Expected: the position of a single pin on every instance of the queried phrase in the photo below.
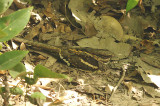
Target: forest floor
(112, 57)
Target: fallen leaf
(35, 31)
(22, 46)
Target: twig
(37, 44)
(52, 48)
(6, 95)
(124, 68)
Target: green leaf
(131, 4)
(4, 5)
(42, 72)
(31, 81)
(2, 90)
(38, 95)
(16, 91)
(37, 98)
(18, 71)
(10, 59)
(14, 23)
(2, 34)
(13, 90)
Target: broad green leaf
(10, 59)
(43, 72)
(18, 71)
(16, 91)
(14, 23)
(131, 4)
(2, 34)
(31, 81)
(4, 5)
(37, 98)
(38, 95)
(13, 90)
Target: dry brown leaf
(135, 25)
(129, 86)
(22, 46)
(49, 11)
(151, 91)
(41, 57)
(50, 61)
(90, 29)
(2, 72)
(47, 28)
(148, 46)
(35, 31)
(141, 6)
(68, 29)
(62, 28)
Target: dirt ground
(112, 56)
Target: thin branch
(6, 95)
(124, 68)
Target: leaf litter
(104, 26)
